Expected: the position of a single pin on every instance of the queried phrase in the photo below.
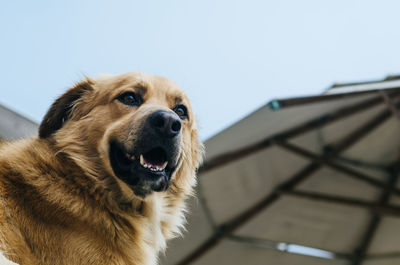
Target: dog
(106, 179)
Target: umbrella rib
(376, 207)
(359, 163)
(361, 251)
(328, 162)
(227, 228)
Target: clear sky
(230, 56)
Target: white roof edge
(364, 87)
(14, 126)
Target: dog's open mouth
(145, 171)
(155, 159)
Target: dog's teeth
(151, 167)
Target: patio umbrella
(301, 181)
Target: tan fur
(60, 202)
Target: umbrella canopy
(309, 180)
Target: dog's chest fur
(68, 227)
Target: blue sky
(230, 56)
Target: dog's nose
(165, 123)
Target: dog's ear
(61, 109)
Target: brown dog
(106, 179)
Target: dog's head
(136, 127)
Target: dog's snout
(165, 123)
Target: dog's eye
(130, 98)
(181, 110)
